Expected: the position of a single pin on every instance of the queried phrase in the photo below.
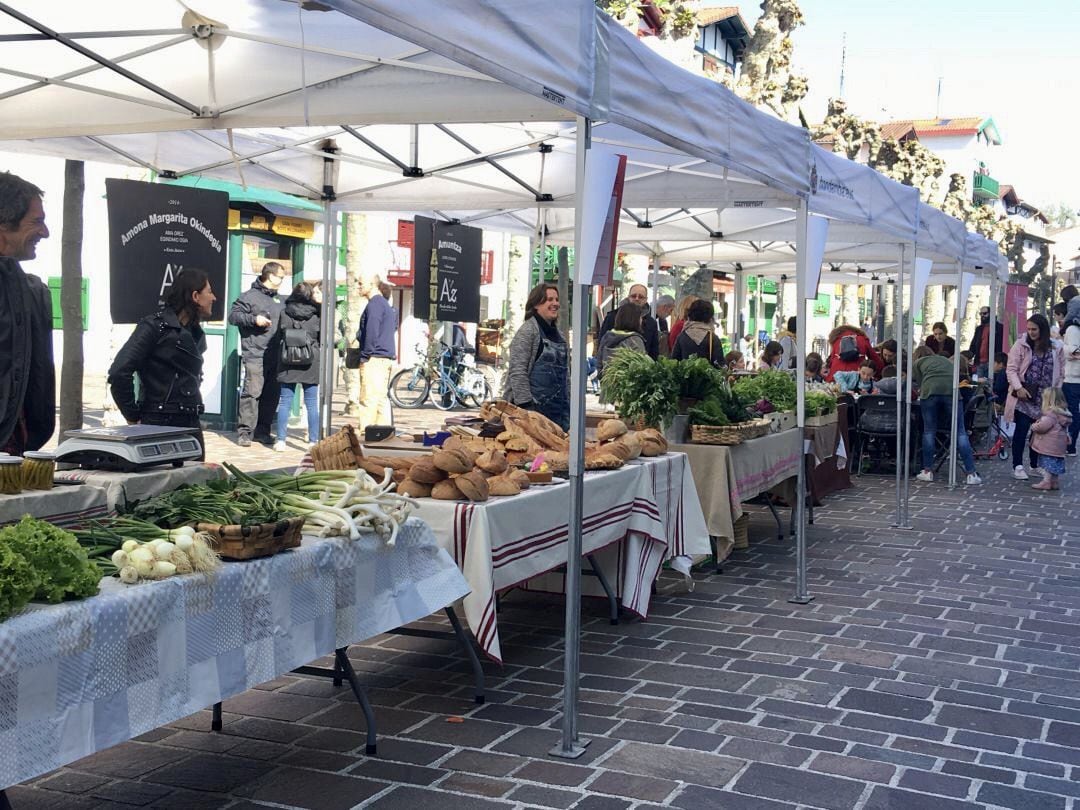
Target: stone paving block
(887, 798)
(853, 767)
(1021, 764)
(695, 767)
(130, 760)
(647, 788)
(803, 787)
(893, 705)
(411, 798)
(542, 796)
(758, 751)
(936, 783)
(222, 774)
(1018, 799)
(990, 722)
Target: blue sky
(1017, 61)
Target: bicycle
(454, 377)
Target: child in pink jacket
(1050, 437)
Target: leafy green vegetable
(819, 403)
(698, 378)
(777, 387)
(641, 387)
(722, 408)
(18, 581)
(60, 565)
(709, 412)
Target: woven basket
(729, 434)
(260, 540)
(338, 452)
(742, 533)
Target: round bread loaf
(447, 491)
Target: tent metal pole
(954, 430)
(906, 386)
(991, 343)
(736, 320)
(900, 354)
(801, 597)
(329, 310)
(571, 746)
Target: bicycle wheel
(409, 388)
(443, 395)
(480, 391)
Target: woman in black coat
(297, 345)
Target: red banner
(1014, 324)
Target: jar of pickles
(37, 470)
(10, 475)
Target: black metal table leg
(343, 665)
(470, 651)
(215, 722)
(343, 668)
(776, 517)
(613, 602)
(4, 803)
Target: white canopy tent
(415, 107)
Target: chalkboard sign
(155, 231)
(451, 277)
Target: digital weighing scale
(129, 448)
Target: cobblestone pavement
(937, 668)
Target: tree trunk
(933, 309)
(889, 332)
(517, 290)
(356, 242)
(71, 242)
(563, 263)
(849, 306)
(977, 297)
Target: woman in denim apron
(537, 376)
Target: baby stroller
(986, 428)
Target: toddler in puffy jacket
(1050, 437)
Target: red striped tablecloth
(635, 518)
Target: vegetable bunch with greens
(818, 403)
(641, 387)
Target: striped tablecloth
(635, 518)
(79, 677)
(63, 505)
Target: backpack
(296, 349)
(849, 349)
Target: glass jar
(37, 470)
(10, 475)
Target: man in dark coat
(650, 330)
(27, 374)
(255, 313)
(980, 346)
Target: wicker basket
(338, 452)
(741, 526)
(260, 540)
(729, 434)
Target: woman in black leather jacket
(166, 351)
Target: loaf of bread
(493, 461)
(473, 485)
(447, 491)
(501, 485)
(424, 471)
(458, 460)
(414, 489)
(610, 429)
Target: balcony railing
(985, 187)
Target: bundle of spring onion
(339, 502)
(141, 550)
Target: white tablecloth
(639, 515)
(80, 677)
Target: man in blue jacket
(377, 339)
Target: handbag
(296, 348)
(352, 358)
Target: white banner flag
(965, 287)
(817, 232)
(601, 168)
(918, 282)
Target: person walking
(378, 350)
(538, 369)
(980, 342)
(933, 376)
(1034, 365)
(626, 334)
(27, 372)
(297, 345)
(255, 314)
(650, 330)
(166, 351)
(1050, 437)
(1071, 385)
(697, 338)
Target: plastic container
(37, 470)
(10, 475)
